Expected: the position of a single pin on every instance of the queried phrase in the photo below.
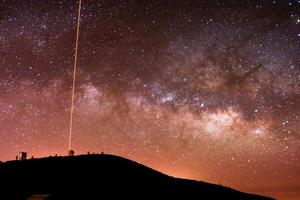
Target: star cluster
(207, 90)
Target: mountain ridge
(94, 176)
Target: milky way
(207, 90)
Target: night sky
(206, 90)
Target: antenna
(74, 75)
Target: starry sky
(206, 90)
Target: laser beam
(74, 75)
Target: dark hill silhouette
(101, 177)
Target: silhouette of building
(22, 156)
(71, 153)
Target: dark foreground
(101, 177)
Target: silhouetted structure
(71, 152)
(22, 156)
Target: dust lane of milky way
(207, 90)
